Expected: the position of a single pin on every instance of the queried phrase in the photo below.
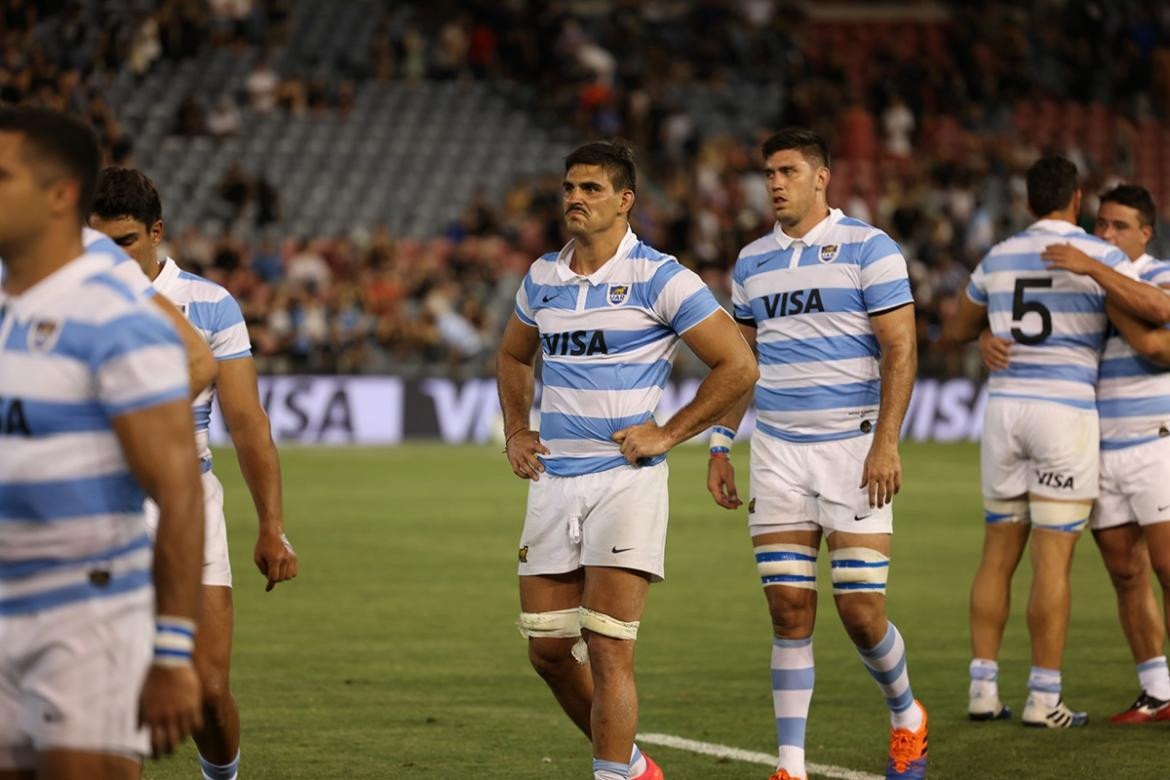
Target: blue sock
(637, 762)
(792, 687)
(228, 771)
(610, 770)
(886, 663)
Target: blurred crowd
(923, 115)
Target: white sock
(637, 762)
(1154, 677)
(610, 770)
(984, 678)
(793, 673)
(886, 663)
(1044, 686)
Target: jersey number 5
(1020, 307)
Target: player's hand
(1066, 257)
(995, 352)
(721, 483)
(522, 451)
(275, 558)
(882, 473)
(644, 440)
(170, 706)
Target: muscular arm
(515, 384)
(1149, 341)
(896, 337)
(157, 442)
(239, 399)
(1131, 295)
(734, 414)
(965, 325)
(201, 364)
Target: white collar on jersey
(168, 271)
(60, 281)
(603, 273)
(811, 237)
(1058, 226)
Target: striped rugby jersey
(810, 300)
(607, 343)
(213, 312)
(77, 350)
(125, 268)
(1133, 394)
(1056, 318)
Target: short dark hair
(616, 157)
(1052, 181)
(808, 143)
(1135, 197)
(127, 192)
(62, 140)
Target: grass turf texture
(393, 654)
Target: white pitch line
(749, 756)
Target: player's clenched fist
(170, 706)
(642, 441)
(522, 449)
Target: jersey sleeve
(130, 274)
(741, 307)
(137, 361)
(885, 283)
(977, 286)
(525, 294)
(228, 337)
(1158, 274)
(679, 299)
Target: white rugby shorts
(1046, 449)
(612, 518)
(70, 678)
(1135, 486)
(217, 567)
(804, 486)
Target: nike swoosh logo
(1163, 508)
(855, 517)
(615, 550)
(547, 298)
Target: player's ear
(823, 176)
(156, 232)
(627, 204)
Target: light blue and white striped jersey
(1133, 394)
(77, 350)
(810, 300)
(1056, 318)
(213, 312)
(608, 341)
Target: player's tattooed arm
(1149, 341)
(239, 398)
(514, 378)
(717, 342)
(201, 364)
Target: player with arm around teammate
(1039, 452)
(127, 208)
(606, 313)
(95, 417)
(1131, 518)
(825, 299)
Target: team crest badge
(829, 252)
(43, 335)
(524, 554)
(618, 294)
(752, 507)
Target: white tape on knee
(791, 565)
(559, 624)
(859, 570)
(996, 511)
(600, 623)
(1060, 515)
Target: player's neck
(814, 217)
(1067, 215)
(153, 269)
(590, 252)
(29, 262)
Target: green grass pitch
(394, 655)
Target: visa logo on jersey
(793, 302)
(575, 342)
